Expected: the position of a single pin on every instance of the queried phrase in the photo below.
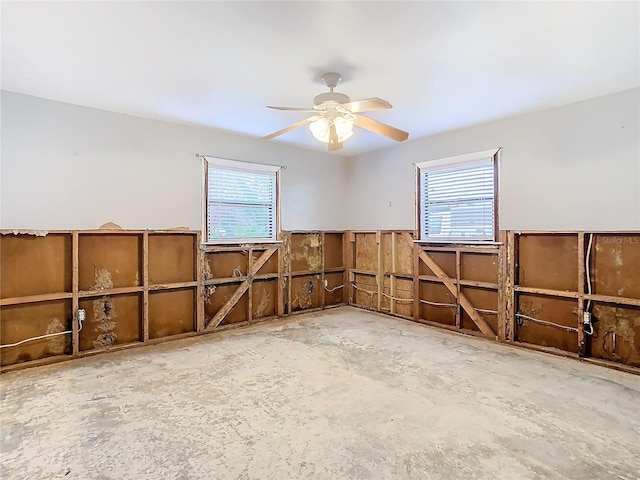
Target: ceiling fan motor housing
(330, 97)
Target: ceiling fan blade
(301, 123)
(311, 110)
(381, 128)
(334, 144)
(367, 105)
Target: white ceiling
(442, 65)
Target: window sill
(481, 243)
(250, 241)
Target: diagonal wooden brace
(462, 299)
(242, 288)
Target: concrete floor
(345, 394)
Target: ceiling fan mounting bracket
(331, 79)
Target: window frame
(492, 155)
(240, 165)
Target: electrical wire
(587, 262)
(549, 324)
(436, 304)
(483, 310)
(333, 289)
(397, 299)
(35, 338)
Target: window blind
(241, 204)
(458, 202)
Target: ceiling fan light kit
(334, 115)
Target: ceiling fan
(334, 115)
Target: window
(241, 201)
(458, 198)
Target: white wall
(70, 167)
(575, 167)
(66, 167)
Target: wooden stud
(280, 290)
(417, 310)
(380, 269)
(250, 289)
(392, 278)
(509, 288)
(502, 293)
(462, 299)
(75, 267)
(242, 288)
(322, 255)
(582, 345)
(458, 292)
(199, 259)
(145, 285)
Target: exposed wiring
(363, 290)
(397, 299)
(544, 322)
(436, 304)
(333, 289)
(35, 338)
(483, 310)
(233, 274)
(587, 262)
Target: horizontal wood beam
(462, 299)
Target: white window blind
(241, 203)
(457, 200)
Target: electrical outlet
(586, 318)
(326, 284)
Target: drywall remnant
(286, 249)
(136, 280)
(102, 278)
(179, 228)
(103, 315)
(208, 291)
(303, 296)
(264, 302)
(110, 226)
(206, 269)
(311, 251)
(58, 344)
(37, 233)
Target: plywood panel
(271, 266)
(305, 292)
(226, 264)
(438, 293)
(616, 334)
(216, 297)
(615, 265)
(333, 250)
(446, 260)
(483, 299)
(264, 298)
(366, 252)
(306, 252)
(33, 265)
(337, 296)
(404, 289)
(171, 258)
(111, 320)
(386, 240)
(171, 312)
(479, 267)
(365, 284)
(548, 261)
(20, 322)
(404, 255)
(109, 261)
(551, 309)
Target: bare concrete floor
(342, 395)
